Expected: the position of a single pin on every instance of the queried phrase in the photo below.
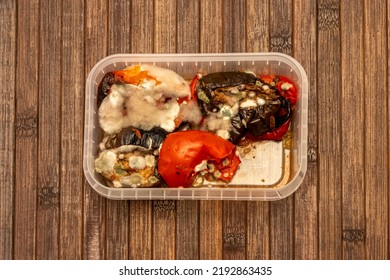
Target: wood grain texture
(257, 26)
(141, 212)
(233, 26)
(306, 197)
(210, 26)
(7, 124)
(72, 111)
(376, 145)
(281, 26)
(329, 146)
(26, 130)
(95, 43)
(164, 212)
(352, 90)
(165, 31)
(50, 78)
(281, 212)
(210, 212)
(210, 230)
(257, 40)
(164, 229)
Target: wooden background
(48, 211)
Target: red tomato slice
(193, 87)
(182, 151)
(287, 89)
(285, 86)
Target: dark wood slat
(187, 230)
(141, 213)
(352, 91)
(280, 26)
(233, 27)
(7, 124)
(95, 43)
(234, 212)
(281, 212)
(26, 129)
(257, 40)
(187, 26)
(164, 230)
(187, 220)
(164, 212)
(376, 132)
(50, 78)
(165, 30)
(210, 212)
(329, 146)
(306, 198)
(257, 26)
(73, 91)
(211, 26)
(117, 220)
(210, 230)
(258, 231)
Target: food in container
(265, 91)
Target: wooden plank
(117, 220)
(187, 219)
(376, 132)
(164, 230)
(165, 26)
(257, 26)
(7, 124)
(26, 129)
(50, 77)
(95, 43)
(210, 230)
(352, 135)
(306, 198)
(211, 26)
(72, 114)
(257, 40)
(281, 212)
(164, 212)
(258, 231)
(329, 146)
(233, 27)
(281, 26)
(141, 211)
(234, 212)
(210, 212)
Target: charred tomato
(186, 154)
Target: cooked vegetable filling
(160, 130)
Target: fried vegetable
(250, 105)
(186, 154)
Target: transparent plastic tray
(270, 171)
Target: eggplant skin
(216, 80)
(104, 87)
(243, 90)
(150, 139)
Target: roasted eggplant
(236, 104)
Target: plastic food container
(270, 171)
